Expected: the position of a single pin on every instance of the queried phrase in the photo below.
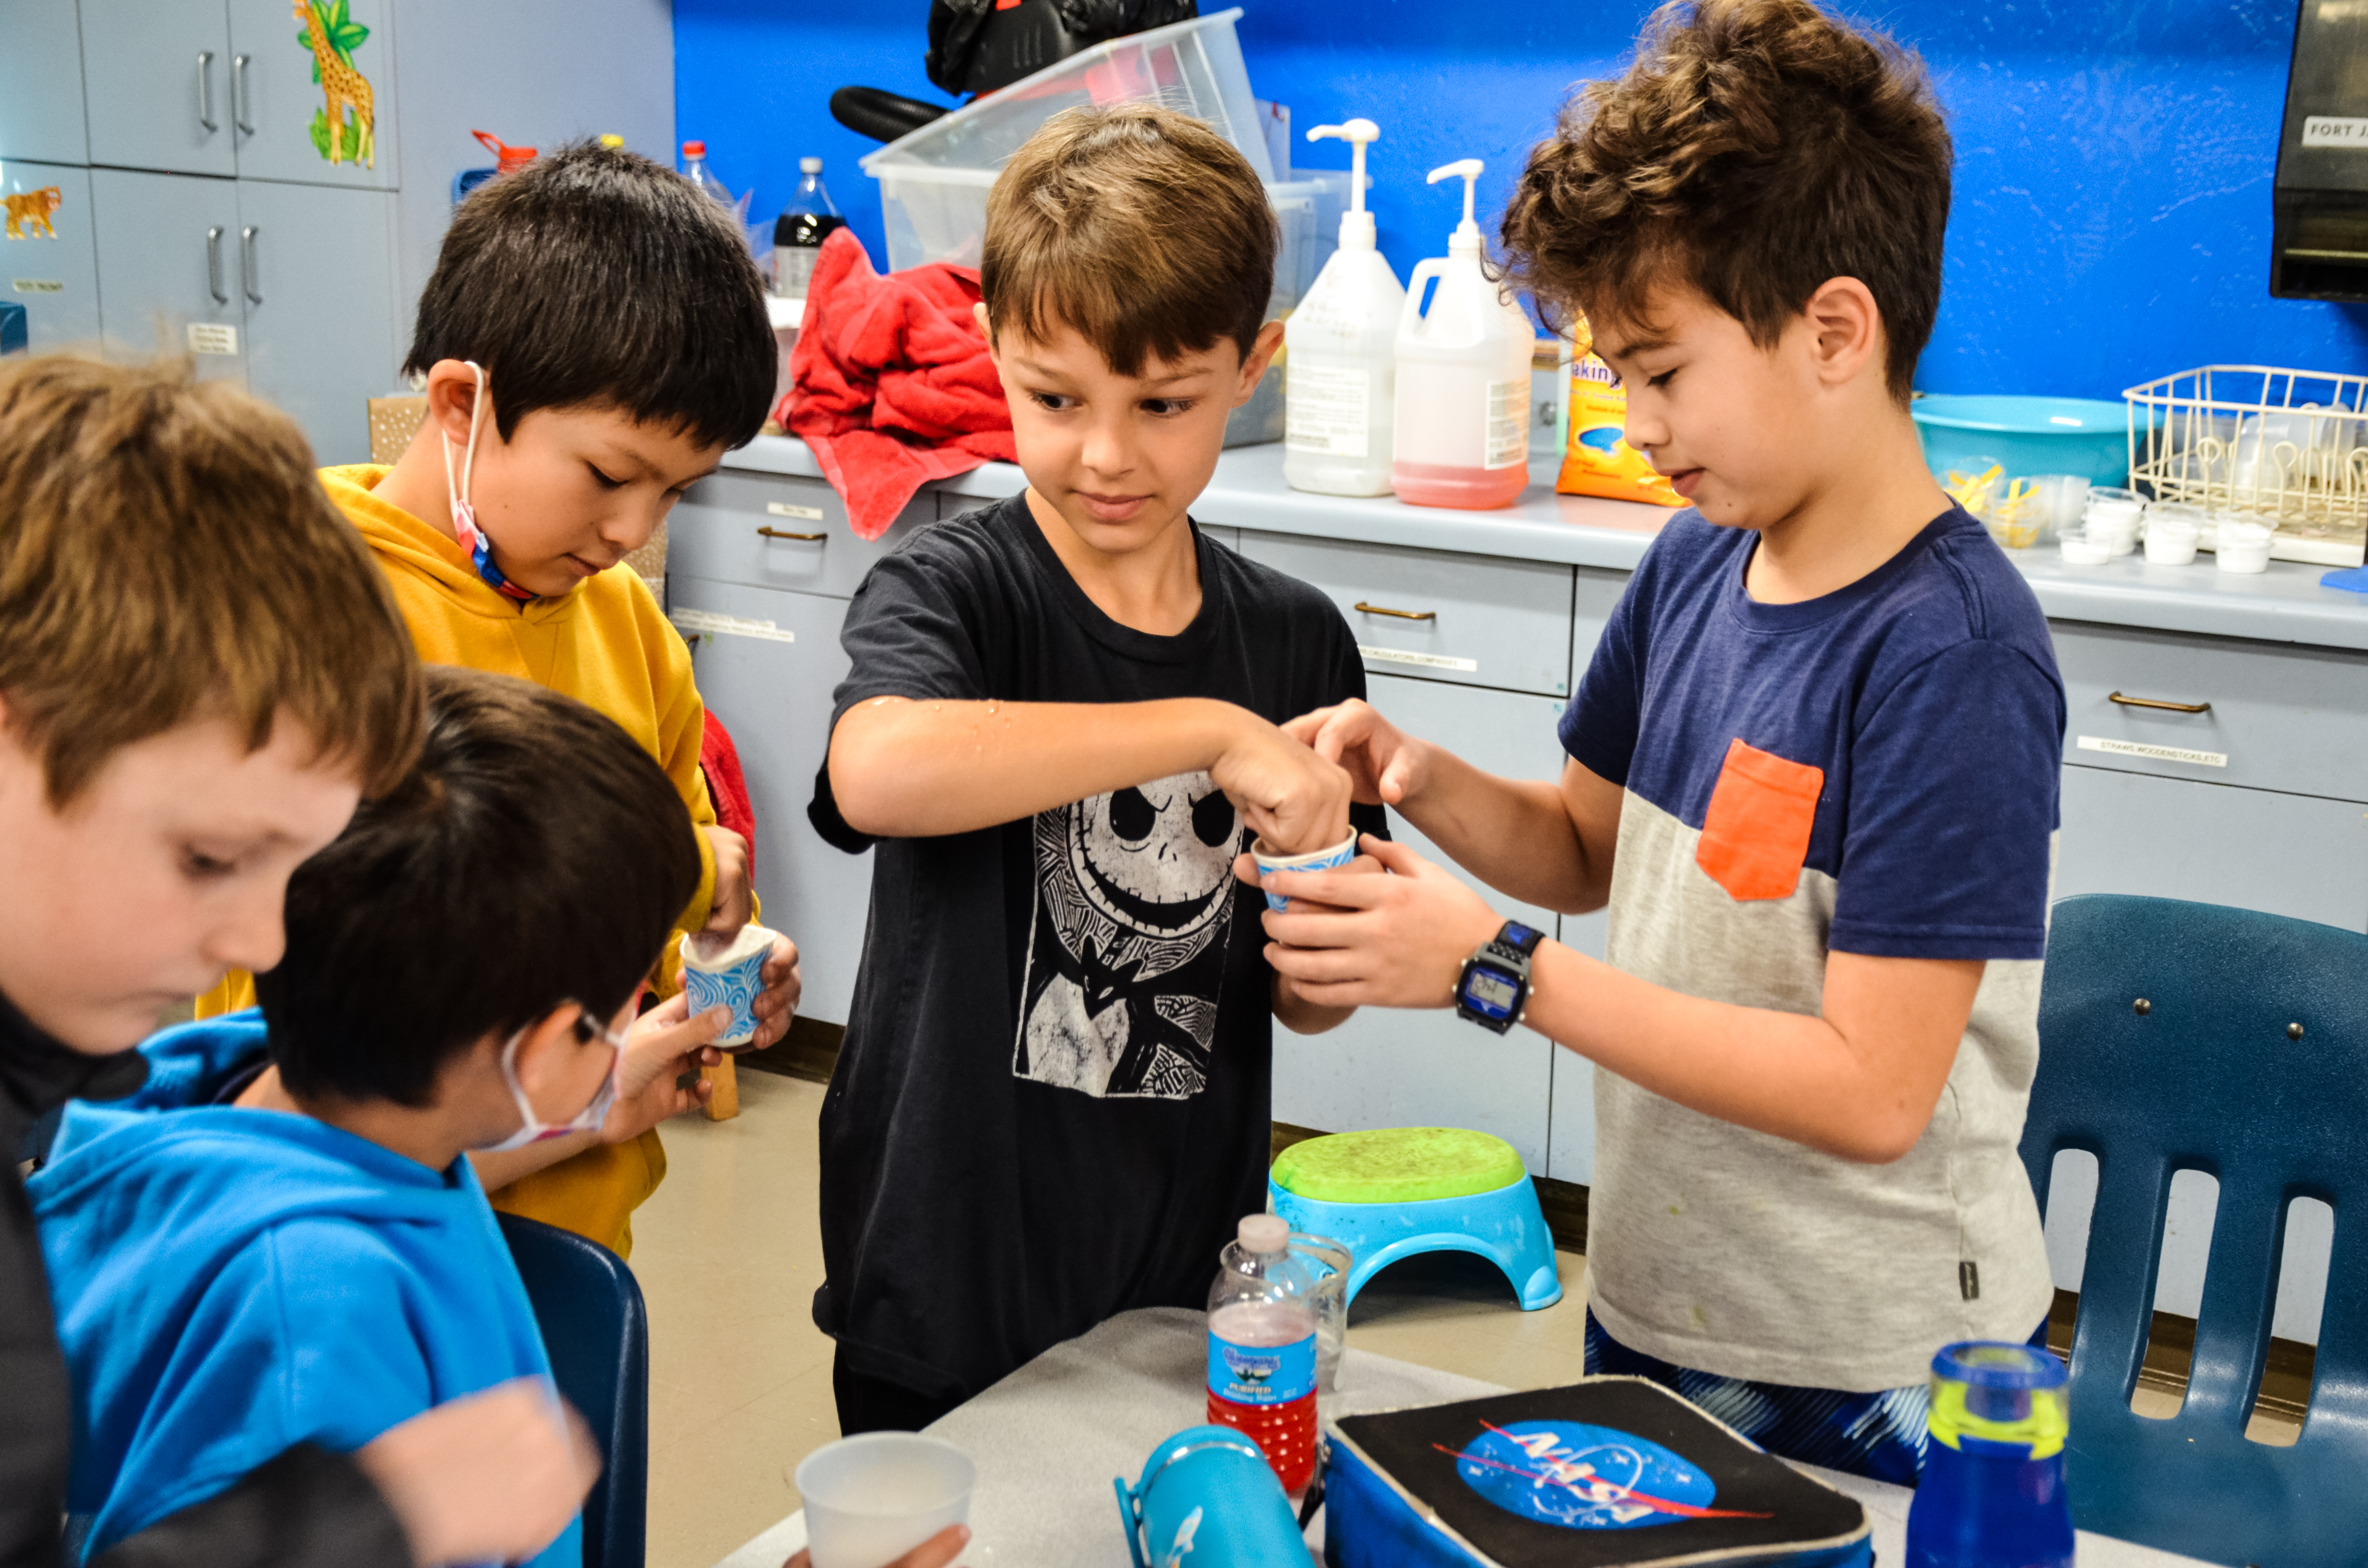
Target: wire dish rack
(2289, 448)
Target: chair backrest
(598, 1333)
(2186, 1036)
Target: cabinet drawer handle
(2153, 703)
(206, 90)
(213, 266)
(784, 533)
(1364, 609)
(247, 271)
(239, 107)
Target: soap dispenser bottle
(1461, 435)
(1342, 349)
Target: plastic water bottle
(1262, 1348)
(1992, 1494)
(798, 232)
(695, 170)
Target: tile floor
(728, 1255)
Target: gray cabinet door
(283, 101)
(1419, 1068)
(168, 266)
(51, 267)
(157, 81)
(770, 680)
(2296, 854)
(40, 82)
(314, 267)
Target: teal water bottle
(1992, 1494)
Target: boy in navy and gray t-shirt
(1812, 766)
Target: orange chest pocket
(1756, 835)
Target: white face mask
(533, 1129)
(470, 537)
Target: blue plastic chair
(2186, 1036)
(597, 1333)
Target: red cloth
(720, 760)
(889, 381)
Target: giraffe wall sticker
(332, 35)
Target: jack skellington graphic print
(1127, 950)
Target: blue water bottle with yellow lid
(1992, 1494)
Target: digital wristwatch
(1494, 988)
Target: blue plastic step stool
(1394, 1192)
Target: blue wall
(2114, 159)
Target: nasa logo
(1585, 1478)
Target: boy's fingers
(1316, 966)
(1395, 858)
(1342, 889)
(1307, 726)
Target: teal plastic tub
(2028, 435)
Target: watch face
(1491, 993)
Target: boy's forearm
(905, 769)
(1513, 834)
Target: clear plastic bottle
(798, 234)
(1262, 1314)
(695, 170)
(1343, 353)
(1462, 435)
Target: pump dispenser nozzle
(1356, 224)
(1467, 232)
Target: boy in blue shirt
(278, 1241)
(1813, 765)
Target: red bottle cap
(694, 148)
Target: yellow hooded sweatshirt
(606, 644)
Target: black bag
(975, 47)
(1609, 1472)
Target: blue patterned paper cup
(1339, 855)
(732, 974)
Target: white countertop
(2285, 604)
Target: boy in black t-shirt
(1052, 1103)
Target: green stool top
(1398, 1165)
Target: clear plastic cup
(2170, 541)
(2061, 498)
(2113, 522)
(873, 1498)
(2243, 548)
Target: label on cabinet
(39, 286)
(789, 509)
(212, 337)
(1425, 661)
(2334, 131)
(2155, 754)
(714, 625)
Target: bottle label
(1261, 1374)
(1329, 409)
(1509, 424)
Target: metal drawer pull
(1364, 609)
(2152, 702)
(238, 106)
(206, 90)
(247, 268)
(784, 533)
(213, 266)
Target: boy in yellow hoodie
(593, 340)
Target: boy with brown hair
(1812, 766)
(178, 731)
(1053, 1100)
(593, 340)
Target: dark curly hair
(1754, 150)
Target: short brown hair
(1141, 228)
(167, 554)
(1754, 150)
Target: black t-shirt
(1051, 1104)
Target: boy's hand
(663, 1050)
(935, 1552)
(1385, 764)
(1354, 940)
(777, 1003)
(491, 1477)
(1245, 868)
(1294, 799)
(734, 900)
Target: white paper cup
(1339, 855)
(731, 973)
(870, 1499)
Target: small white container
(2085, 551)
(2115, 527)
(873, 1498)
(2170, 541)
(2243, 547)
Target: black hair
(593, 277)
(535, 855)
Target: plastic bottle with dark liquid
(798, 232)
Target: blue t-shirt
(1875, 772)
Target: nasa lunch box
(1608, 1472)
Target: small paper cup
(873, 1498)
(731, 974)
(1339, 855)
